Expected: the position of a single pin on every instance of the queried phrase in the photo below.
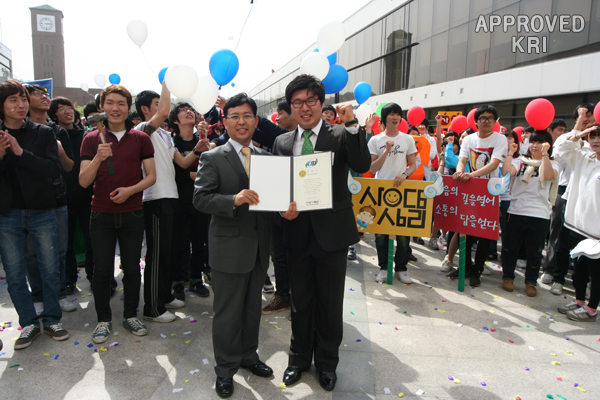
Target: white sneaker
(556, 288)
(447, 265)
(66, 305)
(404, 277)
(486, 270)
(547, 278)
(39, 308)
(164, 317)
(521, 264)
(433, 244)
(176, 303)
(381, 276)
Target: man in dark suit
(317, 241)
(238, 245)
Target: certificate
(279, 180)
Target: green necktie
(307, 146)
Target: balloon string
(148, 63)
(240, 38)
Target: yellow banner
(447, 117)
(379, 207)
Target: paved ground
(398, 340)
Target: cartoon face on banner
(379, 207)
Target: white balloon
(182, 81)
(315, 64)
(331, 37)
(100, 80)
(85, 87)
(137, 31)
(362, 113)
(206, 94)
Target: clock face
(46, 23)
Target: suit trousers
(317, 279)
(236, 321)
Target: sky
(179, 32)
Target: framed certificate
(279, 180)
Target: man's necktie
(246, 151)
(307, 146)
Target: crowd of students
(142, 167)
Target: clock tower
(48, 44)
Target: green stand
(462, 244)
(390, 264)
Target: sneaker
(275, 305)
(432, 244)
(412, 258)
(486, 271)
(199, 289)
(582, 315)
(39, 307)
(135, 326)
(66, 305)
(521, 264)
(381, 276)
(454, 274)
(530, 290)
(28, 333)
(175, 303)
(475, 280)
(164, 317)
(351, 253)
(56, 331)
(556, 288)
(508, 285)
(70, 288)
(179, 292)
(447, 265)
(547, 278)
(269, 288)
(569, 307)
(442, 241)
(493, 256)
(418, 240)
(101, 332)
(404, 277)
(207, 278)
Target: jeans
(563, 250)
(192, 227)
(403, 251)
(279, 257)
(33, 272)
(81, 213)
(15, 226)
(105, 230)
(531, 232)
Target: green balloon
(378, 112)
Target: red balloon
(375, 128)
(273, 116)
(459, 124)
(496, 127)
(415, 115)
(471, 119)
(597, 112)
(403, 126)
(539, 113)
(518, 130)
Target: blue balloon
(232, 84)
(336, 79)
(362, 92)
(332, 57)
(223, 66)
(115, 79)
(161, 74)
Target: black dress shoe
(292, 375)
(260, 369)
(224, 387)
(327, 380)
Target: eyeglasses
(65, 109)
(39, 93)
(186, 110)
(236, 118)
(486, 119)
(309, 102)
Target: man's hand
(202, 128)
(221, 102)
(438, 119)
(345, 112)
(14, 144)
(291, 212)
(246, 196)
(202, 145)
(399, 179)
(389, 144)
(104, 151)
(582, 112)
(4, 144)
(120, 195)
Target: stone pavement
(398, 339)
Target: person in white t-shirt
(528, 218)
(484, 150)
(391, 152)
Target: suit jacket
(333, 229)
(237, 235)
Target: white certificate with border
(279, 180)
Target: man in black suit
(317, 241)
(238, 245)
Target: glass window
(459, 12)
(478, 51)
(359, 49)
(376, 42)
(531, 8)
(47, 50)
(375, 78)
(501, 55)
(595, 23)
(564, 41)
(441, 16)
(52, 50)
(423, 62)
(439, 57)
(480, 7)
(499, 4)
(425, 19)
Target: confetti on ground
(345, 345)
(386, 390)
(398, 328)
(400, 395)
(443, 301)
(192, 321)
(492, 311)
(555, 363)
(205, 313)
(404, 312)
(86, 325)
(76, 343)
(510, 340)
(14, 366)
(90, 345)
(559, 378)
(358, 340)
(187, 333)
(553, 354)
(518, 398)
(20, 369)
(582, 389)
(138, 341)
(102, 349)
(282, 385)
(566, 338)
(562, 397)
(526, 369)
(162, 335)
(56, 358)
(177, 390)
(549, 396)
(3, 304)
(483, 384)
(187, 381)
(352, 290)
(575, 385)
(493, 330)
(278, 328)
(485, 328)
(46, 354)
(450, 377)
(205, 361)
(569, 353)
(420, 392)
(442, 311)
(194, 371)
(187, 342)
(352, 312)
(457, 381)
(459, 325)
